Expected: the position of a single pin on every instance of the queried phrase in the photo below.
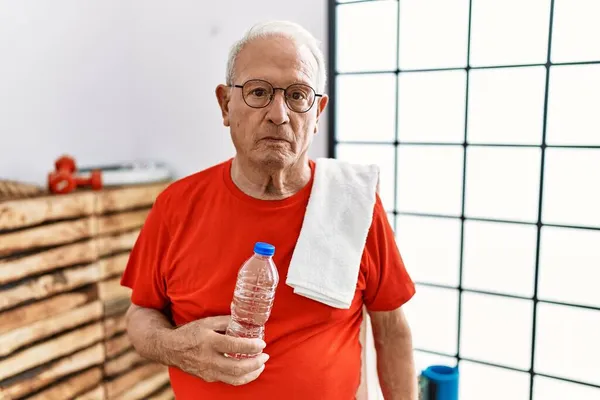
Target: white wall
(114, 80)
(181, 51)
(64, 85)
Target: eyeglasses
(259, 94)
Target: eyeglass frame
(273, 95)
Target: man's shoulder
(187, 189)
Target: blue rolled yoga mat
(439, 382)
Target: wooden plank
(143, 389)
(114, 325)
(122, 383)
(78, 253)
(95, 394)
(117, 345)
(29, 212)
(128, 198)
(71, 387)
(12, 190)
(15, 339)
(46, 235)
(31, 313)
(56, 370)
(47, 285)
(111, 290)
(122, 363)
(165, 394)
(121, 222)
(63, 256)
(50, 350)
(114, 265)
(106, 245)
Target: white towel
(326, 261)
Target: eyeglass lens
(259, 93)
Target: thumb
(218, 323)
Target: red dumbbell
(63, 180)
(94, 180)
(65, 163)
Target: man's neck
(267, 183)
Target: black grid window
(484, 117)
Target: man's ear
(223, 97)
(321, 104)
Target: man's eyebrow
(292, 82)
(300, 81)
(303, 82)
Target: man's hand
(198, 349)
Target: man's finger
(239, 368)
(241, 380)
(218, 323)
(230, 344)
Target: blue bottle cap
(264, 249)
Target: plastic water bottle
(253, 296)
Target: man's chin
(275, 160)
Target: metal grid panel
(333, 142)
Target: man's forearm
(395, 363)
(396, 369)
(148, 331)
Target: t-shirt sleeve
(144, 271)
(388, 284)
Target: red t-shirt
(185, 262)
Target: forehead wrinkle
(304, 64)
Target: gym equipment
(438, 382)
(132, 173)
(63, 179)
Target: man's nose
(277, 110)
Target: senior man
(183, 267)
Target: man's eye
(259, 92)
(298, 96)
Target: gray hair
(287, 29)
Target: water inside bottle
(252, 300)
